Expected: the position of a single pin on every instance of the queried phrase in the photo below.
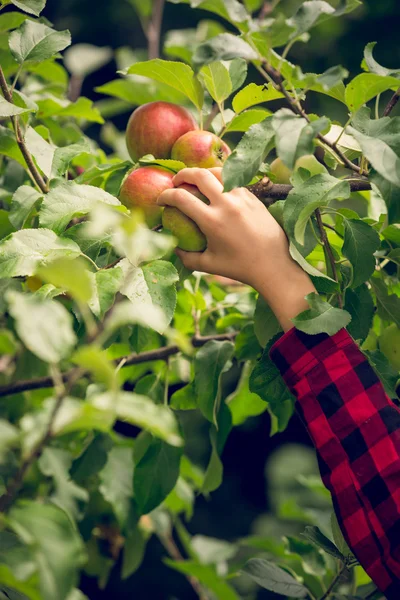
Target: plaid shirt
(356, 430)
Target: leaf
(56, 463)
(244, 162)
(175, 74)
(225, 46)
(380, 155)
(55, 545)
(105, 285)
(304, 199)
(134, 549)
(207, 575)
(388, 305)
(95, 360)
(126, 313)
(316, 11)
(44, 326)
(33, 7)
(136, 91)
(83, 59)
(41, 150)
(140, 411)
(339, 540)
(360, 243)
(155, 474)
(152, 284)
(22, 204)
(266, 325)
(231, 10)
(64, 156)
(9, 146)
(294, 135)
(23, 251)
(11, 20)
(218, 81)
(35, 42)
(372, 65)
(116, 482)
(360, 305)
(392, 233)
(321, 317)
(210, 363)
(238, 72)
(388, 375)
(366, 86)
(254, 94)
(242, 403)
(11, 110)
(316, 537)
(246, 119)
(270, 577)
(69, 275)
(69, 200)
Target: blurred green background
(261, 474)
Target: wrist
(284, 290)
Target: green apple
(281, 171)
(189, 235)
(389, 344)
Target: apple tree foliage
(101, 325)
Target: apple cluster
(168, 131)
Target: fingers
(217, 172)
(190, 205)
(195, 261)
(206, 181)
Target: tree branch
(133, 359)
(334, 582)
(41, 183)
(169, 544)
(12, 490)
(328, 250)
(392, 103)
(154, 29)
(269, 192)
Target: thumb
(194, 261)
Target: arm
(353, 424)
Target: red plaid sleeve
(356, 430)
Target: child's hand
(244, 241)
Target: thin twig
(41, 183)
(154, 29)
(169, 544)
(392, 103)
(328, 250)
(334, 582)
(133, 359)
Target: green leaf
(246, 119)
(105, 285)
(313, 12)
(270, 577)
(360, 305)
(81, 109)
(92, 459)
(155, 474)
(237, 72)
(222, 47)
(294, 135)
(55, 545)
(44, 326)
(33, 7)
(184, 399)
(94, 359)
(23, 251)
(140, 411)
(392, 233)
(244, 162)
(266, 325)
(372, 65)
(339, 540)
(145, 314)
(231, 10)
(304, 199)
(243, 403)
(22, 204)
(379, 153)
(175, 74)
(116, 482)
(366, 86)
(9, 146)
(134, 549)
(217, 81)
(210, 363)
(11, 110)
(388, 375)
(360, 243)
(69, 200)
(218, 436)
(64, 156)
(136, 91)
(69, 275)
(388, 305)
(316, 537)
(321, 317)
(56, 463)
(254, 94)
(41, 150)
(35, 42)
(11, 20)
(207, 575)
(152, 285)
(83, 59)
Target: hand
(244, 242)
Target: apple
(283, 173)
(154, 128)
(201, 149)
(141, 189)
(309, 162)
(389, 344)
(189, 235)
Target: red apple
(142, 187)
(201, 149)
(154, 128)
